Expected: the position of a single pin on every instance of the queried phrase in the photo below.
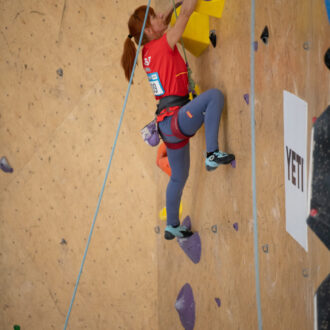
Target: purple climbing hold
(233, 164)
(187, 222)
(4, 165)
(235, 225)
(255, 45)
(191, 246)
(247, 98)
(185, 306)
(218, 301)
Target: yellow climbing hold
(212, 8)
(197, 92)
(163, 215)
(196, 35)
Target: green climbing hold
(17, 327)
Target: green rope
(191, 81)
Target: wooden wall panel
(57, 133)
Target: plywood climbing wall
(57, 131)
(220, 203)
(62, 91)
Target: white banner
(295, 165)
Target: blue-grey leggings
(205, 108)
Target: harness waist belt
(171, 101)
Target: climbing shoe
(179, 231)
(217, 158)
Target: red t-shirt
(165, 67)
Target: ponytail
(135, 24)
(127, 59)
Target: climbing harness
(170, 106)
(171, 101)
(167, 106)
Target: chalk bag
(150, 134)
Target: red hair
(135, 24)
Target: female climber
(178, 118)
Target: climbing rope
(253, 156)
(108, 169)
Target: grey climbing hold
(265, 248)
(306, 45)
(157, 230)
(4, 165)
(185, 306)
(64, 242)
(59, 72)
(214, 229)
(305, 272)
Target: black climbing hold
(213, 38)
(327, 58)
(214, 229)
(64, 242)
(323, 304)
(4, 165)
(59, 72)
(319, 218)
(265, 35)
(157, 230)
